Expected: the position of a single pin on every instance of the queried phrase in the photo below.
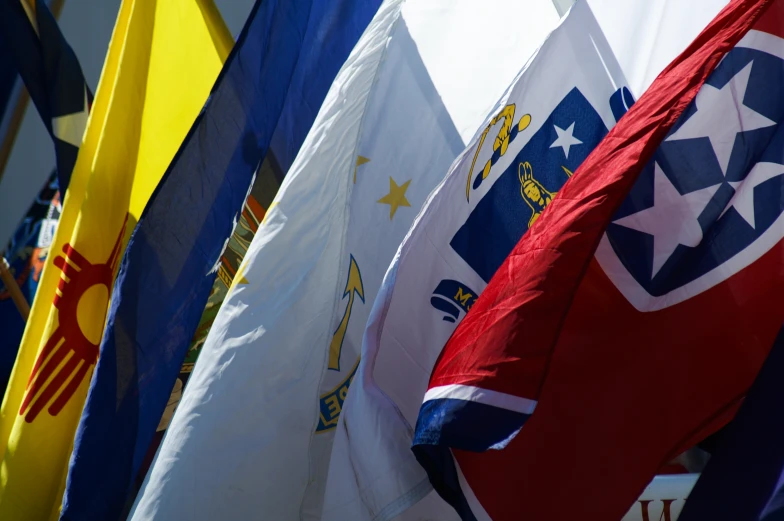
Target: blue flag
(26, 253)
(11, 320)
(8, 77)
(31, 45)
(744, 479)
(169, 266)
(52, 75)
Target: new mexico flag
(163, 59)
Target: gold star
(396, 197)
(361, 160)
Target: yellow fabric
(162, 61)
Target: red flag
(591, 372)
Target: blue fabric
(50, 71)
(442, 472)
(466, 425)
(24, 252)
(168, 269)
(447, 423)
(744, 479)
(26, 255)
(11, 323)
(8, 76)
(340, 24)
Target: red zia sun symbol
(68, 341)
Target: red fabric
(620, 392)
(773, 21)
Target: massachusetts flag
(555, 112)
(589, 373)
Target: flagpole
(13, 289)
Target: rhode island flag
(562, 103)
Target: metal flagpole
(13, 288)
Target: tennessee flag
(630, 320)
(161, 64)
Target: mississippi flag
(631, 319)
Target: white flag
(252, 435)
(646, 36)
(553, 115)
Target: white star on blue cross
(702, 199)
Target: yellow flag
(163, 59)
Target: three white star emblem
(721, 116)
(672, 220)
(743, 200)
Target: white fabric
(373, 473)
(243, 443)
(479, 395)
(663, 498)
(646, 36)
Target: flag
(161, 63)
(267, 389)
(8, 81)
(29, 246)
(265, 186)
(634, 34)
(646, 36)
(26, 254)
(13, 102)
(170, 267)
(326, 50)
(52, 75)
(743, 479)
(578, 376)
(323, 55)
(551, 117)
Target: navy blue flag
(11, 320)
(52, 75)
(169, 266)
(8, 78)
(26, 254)
(51, 72)
(744, 480)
